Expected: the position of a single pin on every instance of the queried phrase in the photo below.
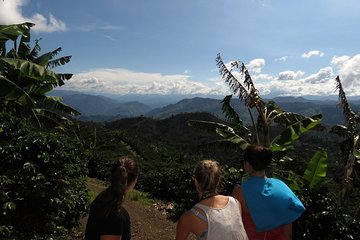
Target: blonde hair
(208, 175)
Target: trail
(147, 222)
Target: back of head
(123, 172)
(258, 156)
(208, 174)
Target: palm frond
(234, 84)
(35, 51)
(350, 116)
(54, 103)
(230, 114)
(44, 59)
(58, 62)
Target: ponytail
(123, 173)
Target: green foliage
(42, 181)
(324, 218)
(315, 172)
(350, 145)
(25, 78)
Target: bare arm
(237, 194)
(183, 227)
(288, 231)
(110, 237)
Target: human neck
(258, 174)
(207, 195)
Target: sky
(169, 47)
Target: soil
(147, 222)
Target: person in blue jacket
(269, 206)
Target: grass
(141, 197)
(96, 186)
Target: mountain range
(100, 108)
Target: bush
(43, 177)
(323, 218)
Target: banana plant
(26, 77)
(350, 146)
(235, 133)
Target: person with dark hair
(108, 219)
(215, 216)
(268, 205)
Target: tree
(268, 113)
(25, 78)
(42, 173)
(350, 146)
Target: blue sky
(169, 46)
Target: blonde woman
(215, 216)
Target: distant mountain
(101, 108)
(196, 104)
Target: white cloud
(256, 65)
(290, 75)
(10, 13)
(262, 77)
(349, 72)
(339, 61)
(123, 81)
(110, 38)
(98, 26)
(312, 53)
(320, 83)
(284, 58)
(324, 75)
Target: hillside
(106, 109)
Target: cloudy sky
(169, 46)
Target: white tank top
(224, 223)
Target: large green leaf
(231, 136)
(44, 59)
(58, 62)
(230, 114)
(315, 172)
(54, 103)
(206, 125)
(12, 32)
(9, 90)
(226, 132)
(33, 71)
(293, 132)
(52, 119)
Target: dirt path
(147, 222)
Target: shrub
(42, 180)
(323, 218)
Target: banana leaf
(315, 172)
(207, 125)
(232, 137)
(33, 71)
(11, 91)
(293, 132)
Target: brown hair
(208, 175)
(123, 172)
(258, 156)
